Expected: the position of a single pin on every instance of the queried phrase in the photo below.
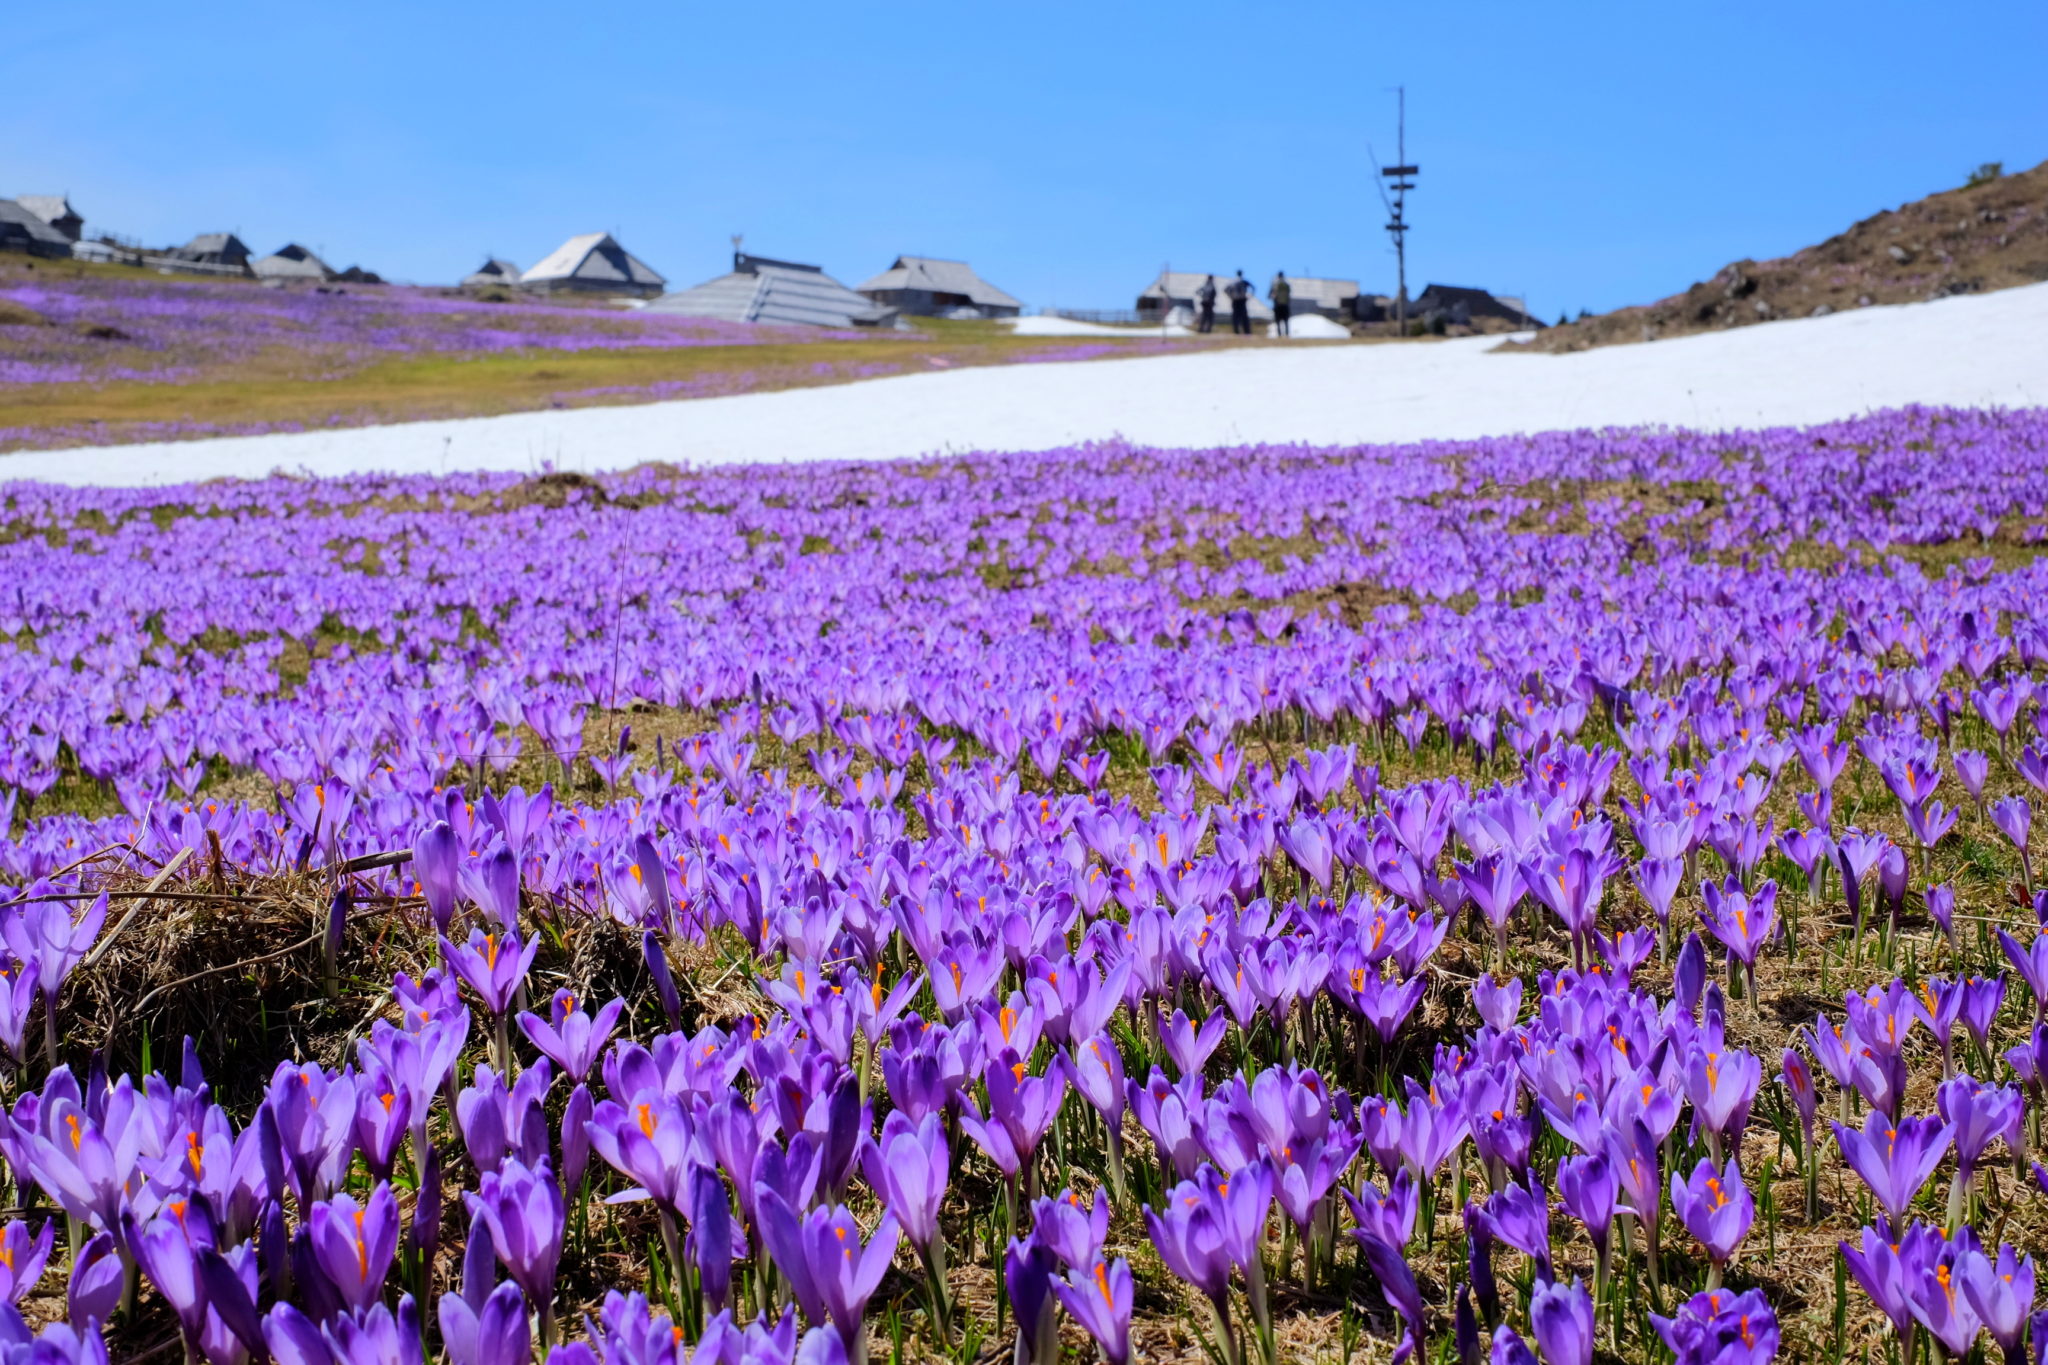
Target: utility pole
(1403, 175)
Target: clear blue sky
(1593, 155)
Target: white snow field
(1987, 350)
(1045, 326)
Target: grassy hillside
(98, 354)
(1992, 235)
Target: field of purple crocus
(92, 355)
(168, 329)
(1531, 899)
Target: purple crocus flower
(1982, 999)
(1632, 1155)
(1743, 921)
(1894, 1159)
(1189, 1047)
(1588, 1187)
(1520, 1216)
(2032, 964)
(1938, 1004)
(1388, 1218)
(233, 1330)
(1097, 1071)
(435, 858)
(97, 1280)
(380, 1336)
(1659, 879)
(1021, 1106)
(2014, 817)
(523, 1208)
(314, 1113)
(656, 957)
(831, 1269)
(1307, 842)
(1934, 1269)
(355, 1243)
(909, 1168)
(496, 1122)
(2001, 1293)
(44, 933)
(167, 1249)
(57, 1344)
(651, 1142)
(1028, 1276)
(570, 1038)
(1385, 1003)
(1797, 1077)
(17, 1001)
(493, 965)
(22, 1257)
(1570, 884)
(1978, 1115)
(1716, 1208)
(1718, 1328)
(1071, 1230)
(492, 881)
(1722, 1084)
(1389, 1267)
(1689, 976)
(383, 1113)
(418, 1062)
(1188, 1231)
(1941, 908)
(1099, 1298)
(1498, 1005)
(479, 1326)
(1509, 1348)
(1561, 1317)
(1876, 1262)
(711, 1247)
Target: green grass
(271, 389)
(316, 384)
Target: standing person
(1239, 292)
(1282, 294)
(1205, 305)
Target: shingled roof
(496, 270)
(762, 290)
(939, 277)
(21, 230)
(597, 260)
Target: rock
(1863, 300)
(1762, 307)
(1820, 312)
(1899, 253)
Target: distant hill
(1992, 235)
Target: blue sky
(1592, 155)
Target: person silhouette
(1239, 292)
(1282, 295)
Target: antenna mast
(1403, 176)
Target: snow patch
(1046, 326)
(1972, 350)
(1313, 327)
